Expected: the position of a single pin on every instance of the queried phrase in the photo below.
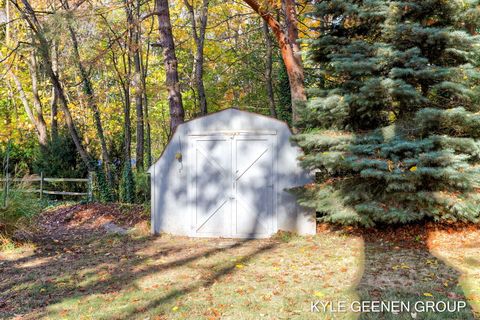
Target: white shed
(226, 175)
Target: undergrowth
(20, 208)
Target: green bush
(142, 187)
(20, 155)
(60, 159)
(20, 209)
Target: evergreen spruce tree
(284, 98)
(393, 128)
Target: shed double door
(231, 185)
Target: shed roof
(228, 113)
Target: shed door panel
(253, 187)
(212, 186)
(231, 185)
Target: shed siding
(171, 208)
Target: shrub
(142, 187)
(20, 209)
(60, 159)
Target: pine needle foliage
(392, 129)
(284, 98)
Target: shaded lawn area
(74, 270)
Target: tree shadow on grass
(56, 268)
(73, 269)
(135, 277)
(222, 271)
(407, 271)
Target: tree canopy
(95, 72)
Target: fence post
(41, 185)
(90, 186)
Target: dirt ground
(72, 267)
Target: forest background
(97, 86)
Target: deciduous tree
(287, 38)
(172, 82)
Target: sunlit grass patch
(461, 251)
(180, 278)
(11, 251)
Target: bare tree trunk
(127, 84)
(177, 113)
(40, 121)
(268, 70)
(148, 137)
(140, 135)
(289, 48)
(296, 69)
(35, 118)
(127, 131)
(43, 47)
(54, 98)
(135, 33)
(202, 98)
(26, 104)
(199, 37)
(7, 25)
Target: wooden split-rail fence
(42, 180)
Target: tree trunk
(40, 121)
(127, 63)
(54, 97)
(202, 98)
(138, 86)
(35, 118)
(148, 139)
(26, 106)
(148, 135)
(199, 38)
(289, 48)
(127, 131)
(7, 25)
(268, 70)
(177, 113)
(295, 71)
(140, 136)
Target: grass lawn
(72, 269)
